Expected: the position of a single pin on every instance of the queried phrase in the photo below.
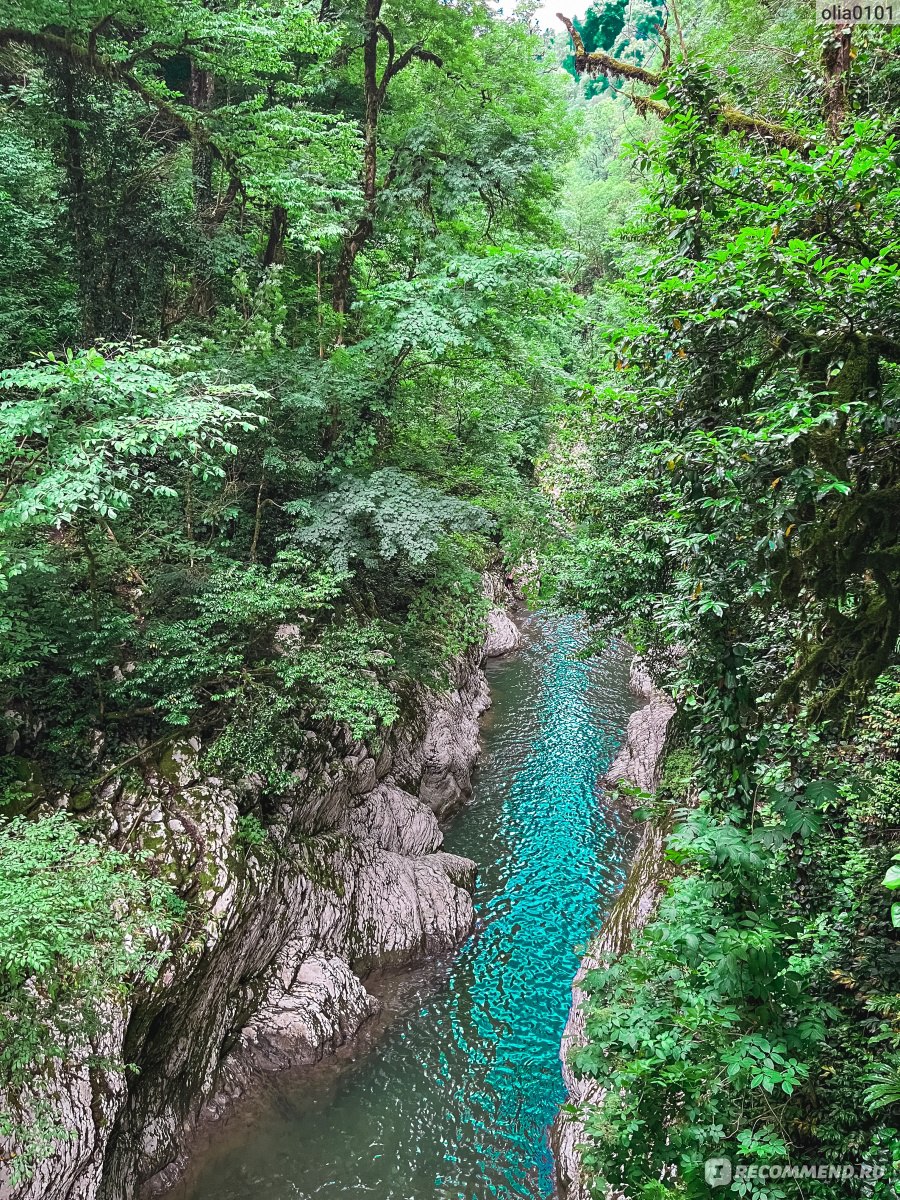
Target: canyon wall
(286, 916)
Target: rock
(384, 762)
(313, 1004)
(640, 681)
(180, 763)
(363, 778)
(406, 907)
(503, 634)
(395, 820)
(637, 763)
(91, 1093)
(448, 749)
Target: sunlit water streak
(453, 1094)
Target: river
(450, 1093)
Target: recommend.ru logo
(717, 1171)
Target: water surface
(450, 1094)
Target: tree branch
(102, 25)
(89, 60)
(389, 38)
(731, 119)
(406, 58)
(154, 49)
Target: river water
(450, 1094)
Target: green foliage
(274, 374)
(678, 770)
(743, 987)
(728, 474)
(387, 518)
(251, 833)
(37, 298)
(98, 420)
(81, 924)
(78, 918)
(259, 460)
(326, 287)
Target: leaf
(821, 792)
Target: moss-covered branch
(731, 119)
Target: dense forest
(311, 315)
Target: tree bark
(274, 252)
(375, 91)
(836, 64)
(374, 96)
(201, 95)
(78, 200)
(731, 119)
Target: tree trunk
(201, 94)
(836, 62)
(354, 242)
(78, 200)
(274, 252)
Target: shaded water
(453, 1094)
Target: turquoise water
(450, 1094)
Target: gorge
(354, 355)
(457, 1093)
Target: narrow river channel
(450, 1095)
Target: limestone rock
(395, 820)
(89, 1094)
(313, 1004)
(502, 635)
(637, 763)
(640, 681)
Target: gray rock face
(351, 876)
(86, 1096)
(503, 634)
(637, 763)
(437, 765)
(312, 1005)
(640, 681)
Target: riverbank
(637, 764)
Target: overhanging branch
(731, 119)
(406, 58)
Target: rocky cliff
(346, 873)
(637, 764)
